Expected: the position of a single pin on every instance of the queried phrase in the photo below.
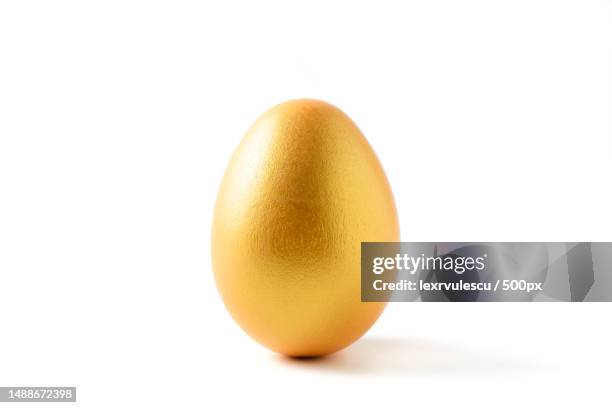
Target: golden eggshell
(301, 192)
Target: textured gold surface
(301, 192)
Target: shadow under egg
(397, 357)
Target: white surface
(117, 119)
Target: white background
(117, 119)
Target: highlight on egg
(301, 192)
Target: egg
(301, 192)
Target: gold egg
(301, 192)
